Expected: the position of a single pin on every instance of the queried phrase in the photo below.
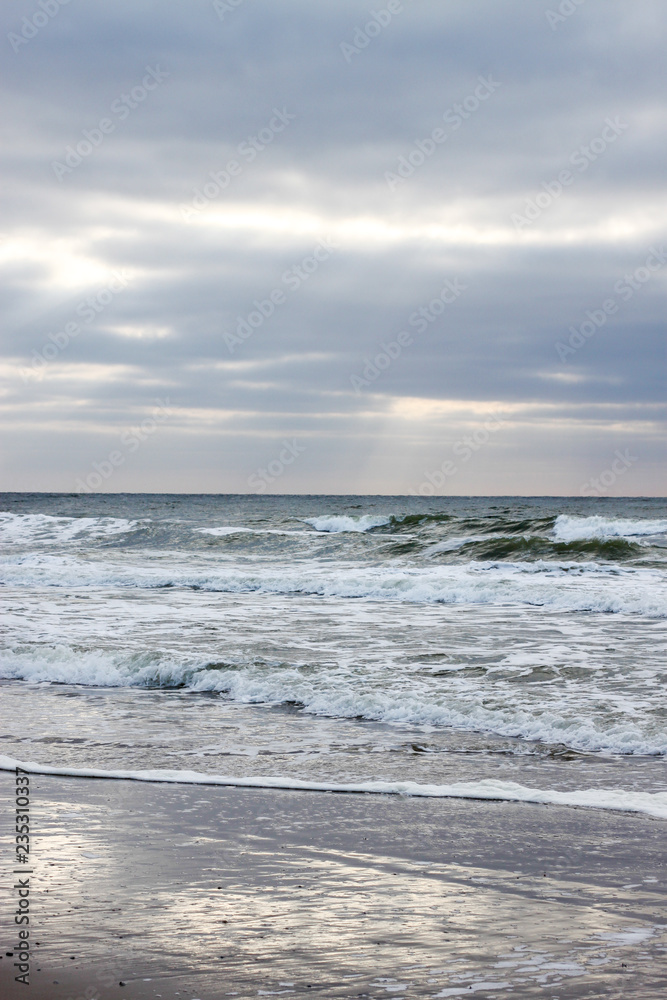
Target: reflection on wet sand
(192, 892)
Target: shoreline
(208, 891)
(652, 804)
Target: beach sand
(210, 892)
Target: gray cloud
(190, 283)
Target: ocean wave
(576, 529)
(224, 531)
(567, 585)
(416, 520)
(521, 547)
(452, 545)
(45, 529)
(337, 522)
(588, 721)
(489, 789)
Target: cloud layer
(370, 233)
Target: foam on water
(229, 530)
(334, 522)
(573, 586)
(527, 620)
(618, 799)
(452, 544)
(515, 701)
(20, 529)
(574, 529)
(225, 530)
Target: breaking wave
(576, 529)
(336, 522)
(566, 585)
(590, 722)
(45, 529)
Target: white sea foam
(347, 623)
(341, 523)
(490, 789)
(22, 529)
(229, 530)
(578, 529)
(567, 586)
(222, 531)
(451, 544)
(388, 692)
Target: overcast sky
(366, 248)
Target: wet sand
(201, 892)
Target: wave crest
(340, 522)
(414, 697)
(577, 529)
(46, 529)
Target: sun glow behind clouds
(67, 264)
(148, 331)
(195, 276)
(474, 222)
(448, 228)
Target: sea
(505, 648)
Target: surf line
(488, 789)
